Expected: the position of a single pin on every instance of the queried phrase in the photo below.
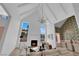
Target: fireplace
(33, 43)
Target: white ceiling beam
(58, 11)
(53, 13)
(2, 11)
(62, 7)
(15, 4)
(22, 4)
(48, 14)
(26, 8)
(68, 8)
(26, 14)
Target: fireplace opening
(34, 43)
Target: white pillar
(54, 36)
(50, 25)
(51, 32)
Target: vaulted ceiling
(53, 12)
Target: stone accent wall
(57, 30)
(69, 30)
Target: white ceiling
(2, 11)
(59, 24)
(54, 12)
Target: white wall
(34, 28)
(5, 23)
(34, 32)
(12, 32)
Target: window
(24, 31)
(4, 17)
(42, 30)
(25, 26)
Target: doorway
(58, 39)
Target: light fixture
(42, 17)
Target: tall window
(24, 31)
(42, 30)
